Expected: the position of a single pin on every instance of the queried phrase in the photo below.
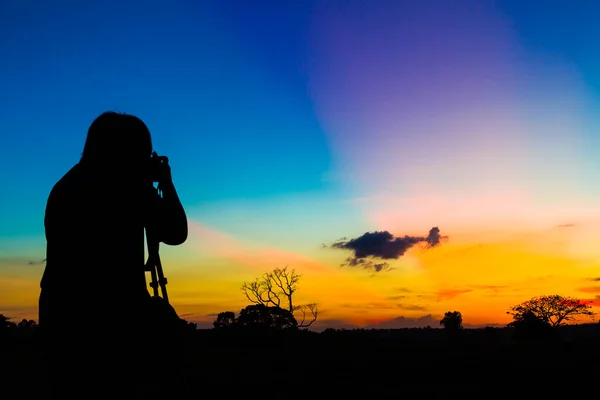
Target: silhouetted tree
(554, 310)
(530, 326)
(262, 316)
(6, 324)
(224, 320)
(276, 289)
(27, 324)
(188, 325)
(452, 321)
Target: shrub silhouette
(225, 319)
(452, 321)
(259, 316)
(531, 327)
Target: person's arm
(171, 220)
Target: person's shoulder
(68, 180)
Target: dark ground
(358, 363)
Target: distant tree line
(535, 318)
(7, 326)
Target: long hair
(114, 136)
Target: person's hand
(163, 170)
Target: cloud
(253, 255)
(400, 297)
(595, 302)
(384, 246)
(493, 288)
(186, 314)
(590, 289)
(378, 244)
(376, 306)
(594, 279)
(565, 226)
(411, 307)
(447, 294)
(369, 265)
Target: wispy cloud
(570, 225)
(589, 289)
(446, 294)
(411, 307)
(493, 288)
(249, 254)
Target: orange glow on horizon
(480, 278)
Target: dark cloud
(594, 279)
(434, 238)
(384, 246)
(369, 265)
(378, 244)
(400, 297)
(186, 315)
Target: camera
(155, 165)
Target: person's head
(117, 141)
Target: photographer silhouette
(95, 310)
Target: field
(357, 363)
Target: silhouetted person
(94, 301)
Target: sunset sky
(290, 126)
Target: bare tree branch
(313, 308)
(277, 289)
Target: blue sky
(223, 93)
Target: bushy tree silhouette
(261, 316)
(452, 321)
(6, 323)
(530, 326)
(7, 327)
(225, 319)
(276, 289)
(554, 310)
